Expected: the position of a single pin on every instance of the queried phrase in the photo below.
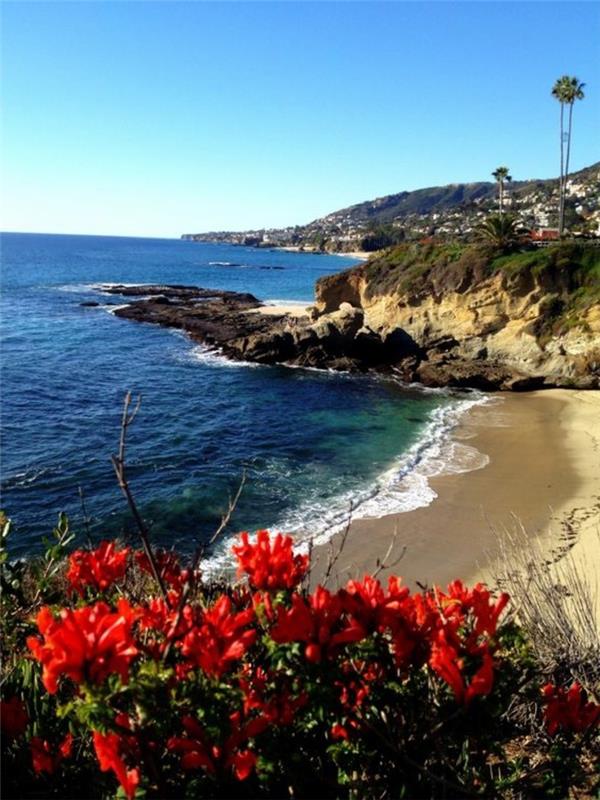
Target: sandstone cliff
(522, 321)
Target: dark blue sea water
(310, 442)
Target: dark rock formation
(232, 323)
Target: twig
(118, 463)
(191, 581)
(383, 563)
(86, 518)
(333, 558)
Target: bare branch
(86, 518)
(382, 564)
(119, 465)
(334, 556)
(190, 583)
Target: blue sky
(158, 118)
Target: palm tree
(499, 232)
(501, 175)
(566, 90)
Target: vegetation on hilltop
(567, 271)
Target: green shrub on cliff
(569, 270)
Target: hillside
(445, 211)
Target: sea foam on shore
(404, 487)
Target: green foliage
(499, 233)
(381, 236)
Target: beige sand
(544, 469)
(283, 309)
(362, 255)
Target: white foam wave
(111, 309)
(76, 288)
(28, 476)
(274, 301)
(403, 487)
(202, 354)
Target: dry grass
(556, 602)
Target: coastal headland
(440, 315)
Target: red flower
(163, 622)
(339, 732)
(568, 709)
(221, 638)
(43, 756)
(412, 621)
(200, 753)
(270, 563)
(86, 645)
(475, 605)
(98, 568)
(320, 623)
(110, 748)
(277, 705)
(13, 717)
(168, 566)
(365, 601)
(445, 661)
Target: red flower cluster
(568, 709)
(221, 638)
(86, 644)
(320, 622)
(422, 627)
(45, 758)
(468, 622)
(270, 564)
(277, 707)
(168, 567)
(111, 749)
(13, 717)
(98, 568)
(200, 753)
(177, 645)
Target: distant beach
(361, 255)
(543, 471)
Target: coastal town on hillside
(449, 211)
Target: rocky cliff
(527, 320)
(444, 315)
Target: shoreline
(543, 470)
(359, 255)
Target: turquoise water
(309, 442)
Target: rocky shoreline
(339, 339)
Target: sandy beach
(287, 309)
(361, 255)
(543, 470)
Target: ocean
(314, 446)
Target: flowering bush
(262, 688)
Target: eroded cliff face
(490, 332)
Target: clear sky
(159, 118)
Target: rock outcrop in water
(445, 316)
(233, 323)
